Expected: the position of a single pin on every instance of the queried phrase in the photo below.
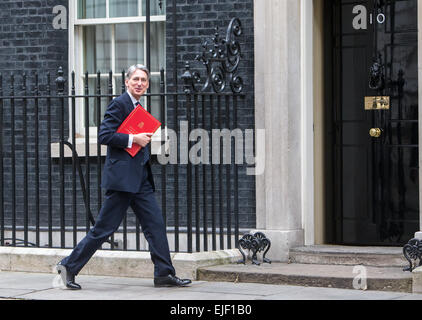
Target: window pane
(157, 46)
(154, 85)
(155, 7)
(129, 45)
(97, 48)
(89, 9)
(119, 80)
(123, 8)
(93, 102)
(155, 100)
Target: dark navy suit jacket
(121, 171)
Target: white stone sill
(80, 147)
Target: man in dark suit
(128, 182)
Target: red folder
(138, 121)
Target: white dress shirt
(134, 101)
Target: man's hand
(142, 139)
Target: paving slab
(252, 289)
(312, 293)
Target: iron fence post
(60, 85)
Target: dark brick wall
(28, 41)
(30, 44)
(196, 22)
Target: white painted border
(307, 114)
(98, 21)
(71, 57)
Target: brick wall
(196, 22)
(30, 44)
(28, 41)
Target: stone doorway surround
(284, 100)
(284, 191)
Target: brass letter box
(377, 103)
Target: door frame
(313, 213)
(307, 114)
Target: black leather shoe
(67, 278)
(171, 281)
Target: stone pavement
(47, 286)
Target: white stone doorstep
(135, 264)
(417, 280)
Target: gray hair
(131, 70)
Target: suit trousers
(115, 205)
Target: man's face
(137, 84)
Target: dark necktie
(145, 150)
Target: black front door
(375, 59)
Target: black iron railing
(51, 163)
(48, 190)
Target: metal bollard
(257, 242)
(413, 251)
